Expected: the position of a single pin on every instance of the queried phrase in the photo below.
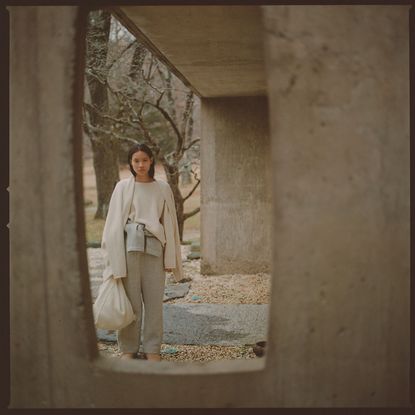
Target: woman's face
(141, 163)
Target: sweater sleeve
(113, 237)
(169, 247)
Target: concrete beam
(217, 50)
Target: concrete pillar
(339, 102)
(50, 345)
(236, 188)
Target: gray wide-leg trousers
(144, 286)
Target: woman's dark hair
(147, 150)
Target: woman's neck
(147, 180)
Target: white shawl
(113, 244)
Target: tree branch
(159, 99)
(150, 67)
(155, 147)
(124, 121)
(186, 114)
(191, 213)
(93, 74)
(170, 121)
(191, 144)
(109, 66)
(138, 117)
(109, 133)
(152, 86)
(192, 191)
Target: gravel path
(223, 289)
(186, 353)
(215, 289)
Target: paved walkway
(210, 324)
(199, 324)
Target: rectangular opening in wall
(217, 308)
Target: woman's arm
(172, 253)
(113, 237)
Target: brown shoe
(259, 348)
(155, 357)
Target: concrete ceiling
(216, 50)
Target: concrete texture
(49, 297)
(236, 189)
(210, 324)
(339, 95)
(339, 316)
(218, 50)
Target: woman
(150, 202)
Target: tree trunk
(170, 99)
(185, 175)
(104, 148)
(106, 171)
(137, 62)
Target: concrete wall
(54, 358)
(51, 339)
(236, 186)
(339, 95)
(339, 322)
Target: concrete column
(339, 98)
(236, 192)
(49, 300)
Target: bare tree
(104, 146)
(138, 102)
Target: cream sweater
(113, 244)
(147, 207)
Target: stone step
(210, 324)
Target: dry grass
(93, 227)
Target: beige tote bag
(112, 308)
